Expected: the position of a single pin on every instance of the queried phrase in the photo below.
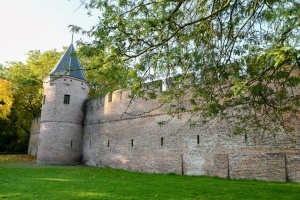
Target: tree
(242, 54)
(6, 98)
(27, 81)
(110, 77)
(26, 89)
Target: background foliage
(26, 92)
(243, 56)
(6, 98)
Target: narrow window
(67, 99)
(65, 79)
(44, 99)
(70, 80)
(71, 143)
(131, 142)
(81, 83)
(198, 139)
(120, 95)
(107, 143)
(162, 141)
(90, 143)
(110, 97)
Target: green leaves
(6, 98)
(233, 56)
(25, 97)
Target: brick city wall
(122, 133)
(126, 134)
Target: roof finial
(72, 37)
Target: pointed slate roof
(69, 65)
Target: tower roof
(69, 65)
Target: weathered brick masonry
(61, 124)
(65, 91)
(119, 132)
(136, 141)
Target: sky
(39, 25)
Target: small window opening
(44, 99)
(70, 80)
(81, 83)
(110, 97)
(65, 79)
(131, 142)
(107, 143)
(162, 141)
(67, 99)
(198, 139)
(90, 143)
(71, 143)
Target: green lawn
(30, 181)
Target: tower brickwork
(65, 91)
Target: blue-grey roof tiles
(69, 65)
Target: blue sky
(38, 25)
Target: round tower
(65, 91)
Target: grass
(20, 179)
(16, 158)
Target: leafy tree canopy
(109, 77)
(23, 85)
(27, 80)
(6, 98)
(243, 55)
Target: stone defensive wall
(125, 133)
(34, 136)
